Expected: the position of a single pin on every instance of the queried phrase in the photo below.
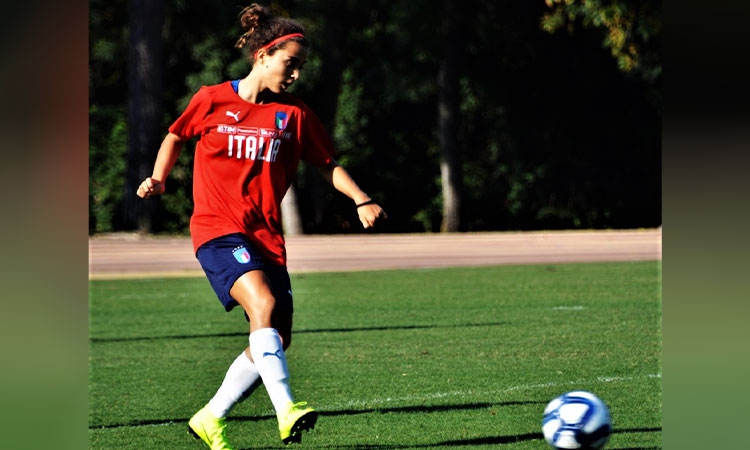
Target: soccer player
(251, 135)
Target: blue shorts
(227, 258)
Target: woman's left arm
(370, 212)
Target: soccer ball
(576, 420)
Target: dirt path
(132, 256)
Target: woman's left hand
(370, 214)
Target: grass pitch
(434, 359)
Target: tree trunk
(290, 216)
(448, 111)
(146, 18)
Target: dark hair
(262, 26)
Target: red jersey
(246, 158)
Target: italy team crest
(241, 254)
(281, 120)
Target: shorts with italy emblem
(227, 258)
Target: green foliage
(439, 358)
(632, 29)
(107, 50)
(560, 136)
(107, 143)
(351, 123)
(107, 115)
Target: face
(281, 69)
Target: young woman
(251, 135)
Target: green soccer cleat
(298, 418)
(204, 425)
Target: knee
(265, 303)
(252, 292)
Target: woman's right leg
(253, 292)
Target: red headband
(276, 41)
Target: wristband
(368, 202)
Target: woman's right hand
(149, 187)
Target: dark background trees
(548, 113)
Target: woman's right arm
(169, 151)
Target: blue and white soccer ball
(576, 420)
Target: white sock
(269, 358)
(241, 379)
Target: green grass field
(435, 359)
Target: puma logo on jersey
(234, 115)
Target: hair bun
(251, 17)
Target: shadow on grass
(488, 440)
(491, 440)
(424, 409)
(343, 412)
(312, 331)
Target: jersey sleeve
(191, 121)
(317, 146)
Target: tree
(448, 113)
(146, 18)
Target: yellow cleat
(204, 425)
(298, 418)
